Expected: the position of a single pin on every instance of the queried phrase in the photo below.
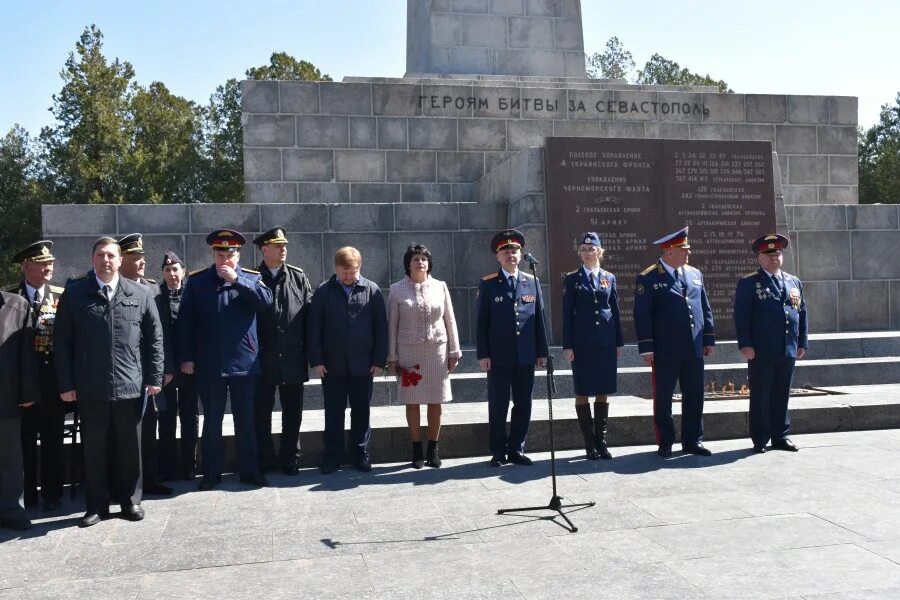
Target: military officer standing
(771, 323)
(133, 268)
(674, 325)
(219, 343)
(282, 332)
(46, 418)
(510, 340)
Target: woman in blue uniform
(592, 340)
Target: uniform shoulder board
(76, 278)
(572, 272)
(56, 289)
(250, 271)
(748, 275)
(148, 280)
(489, 276)
(293, 268)
(648, 269)
(528, 275)
(14, 289)
(785, 275)
(195, 271)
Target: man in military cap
(180, 392)
(45, 419)
(282, 332)
(133, 266)
(771, 323)
(108, 345)
(218, 342)
(510, 340)
(674, 324)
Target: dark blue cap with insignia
(170, 258)
(132, 244)
(272, 236)
(226, 239)
(509, 238)
(769, 243)
(38, 252)
(591, 238)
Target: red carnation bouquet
(409, 376)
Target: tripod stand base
(555, 504)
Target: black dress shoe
(90, 519)
(208, 483)
(665, 451)
(16, 523)
(51, 505)
(329, 467)
(363, 464)
(132, 512)
(697, 449)
(786, 445)
(158, 489)
(519, 459)
(497, 460)
(189, 475)
(255, 479)
(290, 469)
(759, 449)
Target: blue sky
(766, 46)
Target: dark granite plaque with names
(632, 192)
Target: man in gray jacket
(18, 388)
(109, 358)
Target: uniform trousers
(519, 379)
(11, 482)
(214, 392)
(46, 421)
(687, 371)
(770, 387)
(104, 426)
(338, 391)
(291, 397)
(181, 407)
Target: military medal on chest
(795, 298)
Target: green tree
(87, 149)
(879, 158)
(662, 71)
(224, 144)
(614, 63)
(20, 198)
(165, 158)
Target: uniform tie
(780, 285)
(37, 297)
(681, 281)
(512, 283)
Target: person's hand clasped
(69, 396)
(748, 352)
(541, 362)
(320, 371)
(708, 350)
(648, 358)
(375, 371)
(569, 354)
(153, 390)
(187, 367)
(801, 352)
(485, 364)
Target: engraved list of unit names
(633, 191)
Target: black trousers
(338, 390)
(519, 379)
(107, 425)
(687, 371)
(770, 387)
(182, 406)
(44, 420)
(291, 396)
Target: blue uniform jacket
(668, 323)
(590, 316)
(347, 334)
(774, 327)
(217, 323)
(510, 327)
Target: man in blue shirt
(219, 344)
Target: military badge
(795, 298)
(604, 283)
(639, 289)
(528, 298)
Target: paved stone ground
(820, 524)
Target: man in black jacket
(282, 329)
(46, 419)
(109, 357)
(347, 346)
(180, 392)
(18, 388)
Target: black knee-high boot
(601, 416)
(584, 420)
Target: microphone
(531, 259)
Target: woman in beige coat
(424, 348)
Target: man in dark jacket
(218, 341)
(109, 357)
(45, 420)
(282, 329)
(18, 388)
(133, 265)
(180, 392)
(347, 346)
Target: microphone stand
(555, 503)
